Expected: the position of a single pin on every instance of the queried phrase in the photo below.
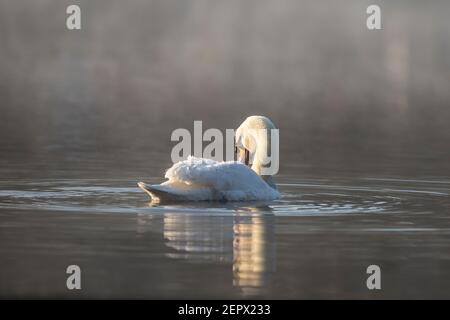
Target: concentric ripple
(299, 197)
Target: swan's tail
(157, 192)
(168, 192)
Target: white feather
(199, 179)
(196, 179)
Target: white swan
(197, 179)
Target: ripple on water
(312, 197)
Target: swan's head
(254, 145)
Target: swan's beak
(244, 156)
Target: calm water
(315, 242)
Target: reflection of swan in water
(253, 252)
(197, 237)
(245, 240)
(197, 179)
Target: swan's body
(197, 179)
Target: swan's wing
(219, 176)
(204, 179)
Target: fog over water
(340, 94)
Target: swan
(199, 179)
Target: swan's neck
(262, 155)
(262, 150)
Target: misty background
(106, 98)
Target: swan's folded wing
(204, 179)
(215, 175)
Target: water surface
(315, 242)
